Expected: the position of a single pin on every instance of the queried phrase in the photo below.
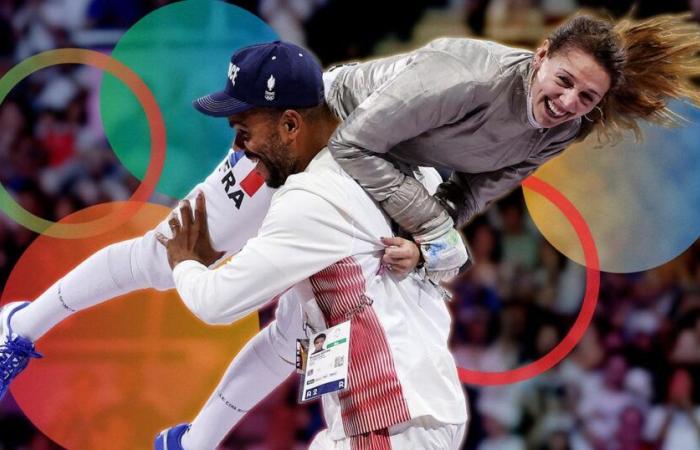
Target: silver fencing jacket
(457, 104)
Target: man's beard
(278, 160)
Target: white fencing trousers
(237, 202)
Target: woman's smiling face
(566, 85)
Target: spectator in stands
(675, 424)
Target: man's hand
(401, 255)
(190, 239)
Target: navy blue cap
(273, 75)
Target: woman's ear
(540, 54)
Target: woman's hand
(401, 255)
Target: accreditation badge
(326, 368)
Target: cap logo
(269, 93)
(233, 73)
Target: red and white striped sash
(374, 399)
(374, 440)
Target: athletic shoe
(15, 350)
(171, 438)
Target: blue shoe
(171, 438)
(15, 350)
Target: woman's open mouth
(552, 110)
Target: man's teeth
(557, 112)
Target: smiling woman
(643, 64)
(566, 85)
(494, 114)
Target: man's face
(566, 85)
(258, 134)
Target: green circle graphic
(182, 52)
(155, 130)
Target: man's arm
(301, 235)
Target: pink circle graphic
(590, 299)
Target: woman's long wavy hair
(649, 62)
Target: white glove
(443, 254)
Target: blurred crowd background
(629, 385)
